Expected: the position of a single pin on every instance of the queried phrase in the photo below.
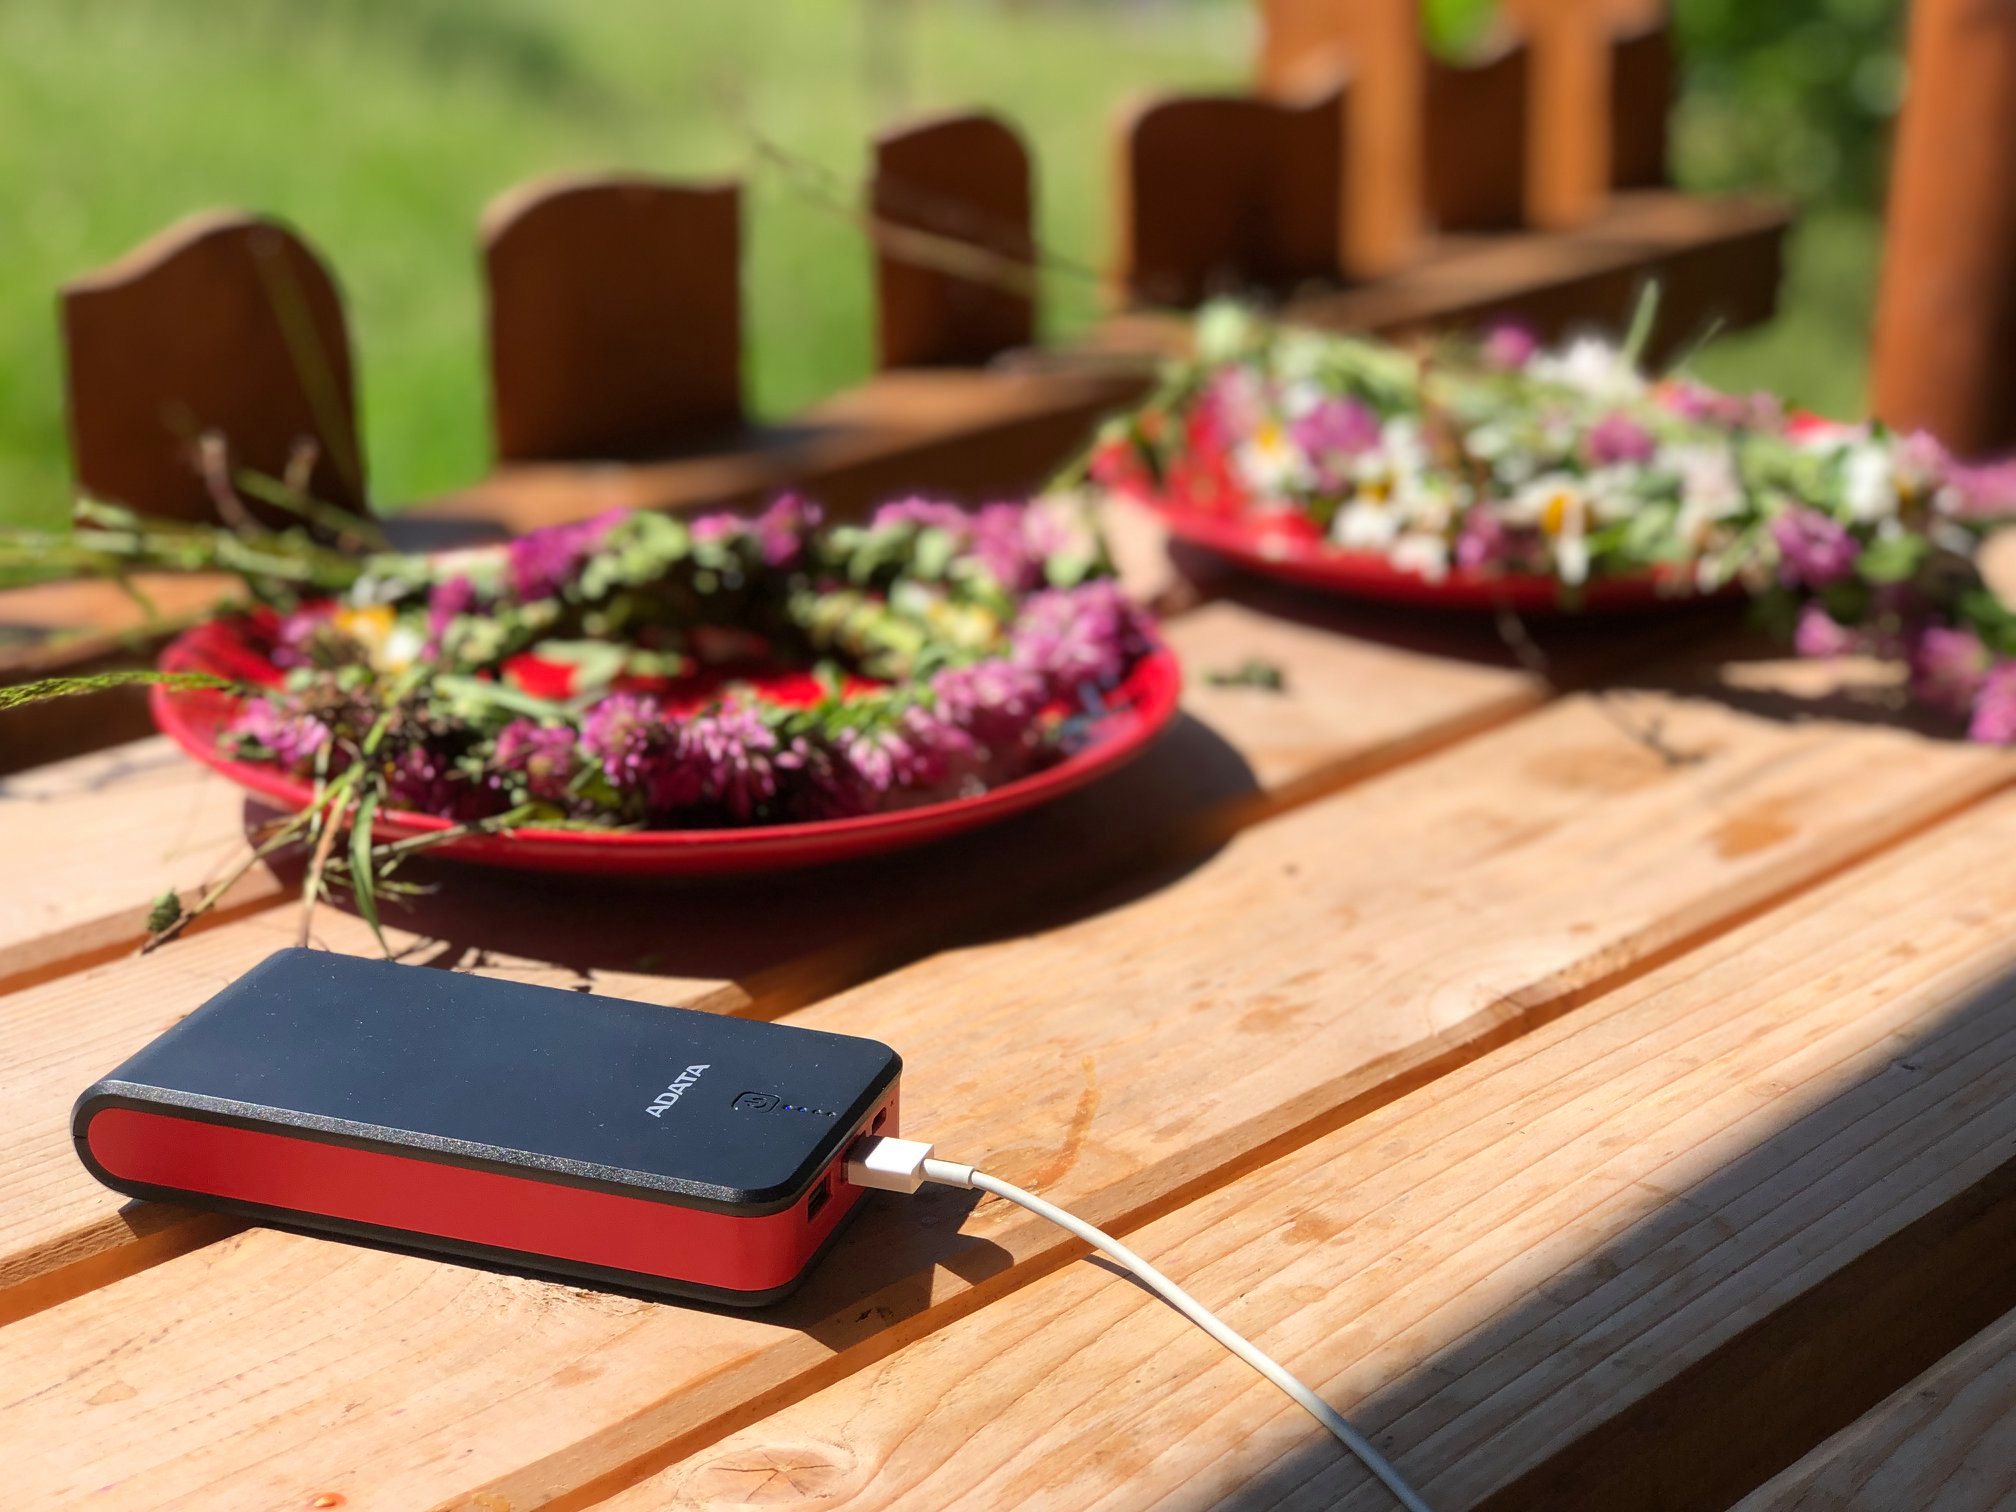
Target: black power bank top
(617, 1141)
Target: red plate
(1135, 713)
(1287, 552)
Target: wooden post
(1945, 348)
(1602, 88)
(1474, 125)
(1305, 43)
(1228, 194)
(964, 178)
(224, 326)
(615, 316)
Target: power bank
(587, 1137)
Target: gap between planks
(1560, 850)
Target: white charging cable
(903, 1165)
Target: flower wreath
(639, 669)
(1493, 456)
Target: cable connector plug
(883, 1163)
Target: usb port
(881, 1117)
(819, 1196)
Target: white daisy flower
(1589, 365)
(1425, 555)
(1366, 525)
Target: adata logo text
(673, 1093)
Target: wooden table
(1597, 1127)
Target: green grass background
(381, 127)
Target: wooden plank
(1713, 257)
(1377, 44)
(615, 316)
(1644, 83)
(1352, 707)
(970, 435)
(1945, 340)
(1617, 1264)
(223, 323)
(1228, 194)
(1312, 969)
(76, 630)
(91, 840)
(1475, 133)
(964, 178)
(1603, 84)
(1946, 1442)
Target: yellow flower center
(1554, 514)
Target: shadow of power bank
(588, 1137)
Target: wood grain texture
(1946, 1442)
(1312, 969)
(1228, 194)
(970, 435)
(1603, 85)
(1714, 260)
(1945, 344)
(1377, 44)
(1475, 139)
(223, 323)
(1618, 1264)
(965, 178)
(1352, 707)
(1644, 84)
(91, 840)
(615, 316)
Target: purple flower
(619, 732)
(295, 636)
(542, 756)
(1618, 438)
(1334, 432)
(733, 756)
(1074, 636)
(1994, 721)
(1484, 541)
(1510, 345)
(929, 514)
(1947, 666)
(782, 528)
(717, 526)
(542, 562)
(917, 752)
(292, 737)
(1819, 634)
(1984, 491)
(629, 734)
(1814, 550)
(1008, 548)
(453, 597)
(998, 701)
(421, 778)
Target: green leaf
(68, 687)
(363, 880)
(1895, 560)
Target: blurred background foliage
(381, 127)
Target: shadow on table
(1834, 1339)
(879, 1270)
(857, 916)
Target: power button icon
(755, 1102)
